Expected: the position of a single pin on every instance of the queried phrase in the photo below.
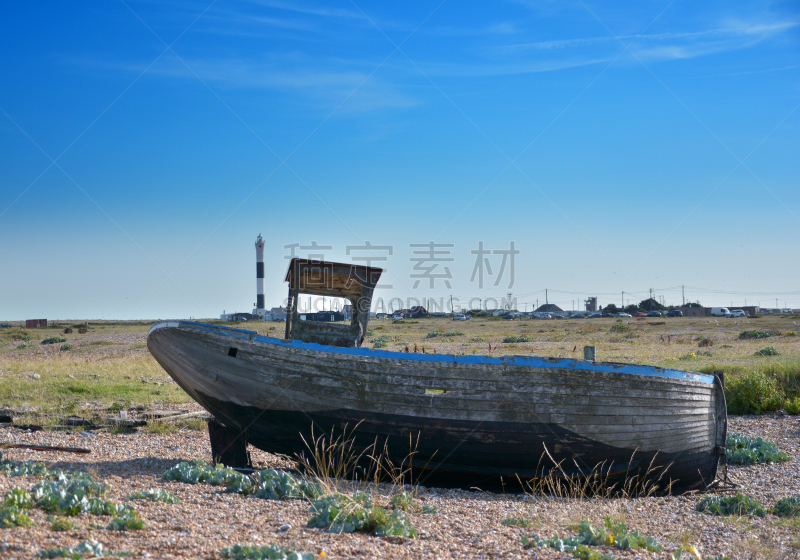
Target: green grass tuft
(732, 505)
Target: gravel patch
(467, 525)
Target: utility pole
(451, 303)
(623, 300)
(683, 297)
(547, 302)
(651, 293)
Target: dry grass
(111, 361)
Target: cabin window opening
(319, 309)
(232, 352)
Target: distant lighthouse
(260, 309)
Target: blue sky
(144, 146)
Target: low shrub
(89, 549)
(514, 339)
(271, 552)
(477, 339)
(748, 335)
(406, 502)
(732, 505)
(19, 498)
(128, 522)
(157, 495)
(61, 523)
(615, 533)
(787, 507)
(524, 522)
(280, 485)
(752, 393)
(53, 340)
(403, 500)
(768, 351)
(67, 346)
(198, 471)
(16, 333)
(27, 468)
(742, 450)
(792, 406)
(268, 484)
(14, 517)
(619, 327)
(381, 341)
(344, 514)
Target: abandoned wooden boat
(476, 418)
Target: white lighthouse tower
(260, 310)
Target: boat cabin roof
(323, 278)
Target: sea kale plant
(742, 450)
(787, 507)
(731, 505)
(614, 533)
(268, 484)
(88, 549)
(357, 513)
(271, 552)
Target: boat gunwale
(512, 361)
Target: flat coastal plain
(108, 370)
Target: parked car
(675, 313)
(654, 314)
(720, 312)
(397, 317)
(594, 315)
(738, 313)
(622, 314)
(576, 316)
(460, 317)
(640, 314)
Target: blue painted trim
(519, 361)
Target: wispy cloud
(320, 83)
(306, 8)
(669, 45)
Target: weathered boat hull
(473, 419)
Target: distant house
(239, 317)
(549, 308)
(323, 316)
(276, 314)
(36, 323)
(416, 312)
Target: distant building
(323, 316)
(694, 311)
(276, 314)
(591, 304)
(238, 317)
(749, 310)
(36, 323)
(549, 308)
(416, 312)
